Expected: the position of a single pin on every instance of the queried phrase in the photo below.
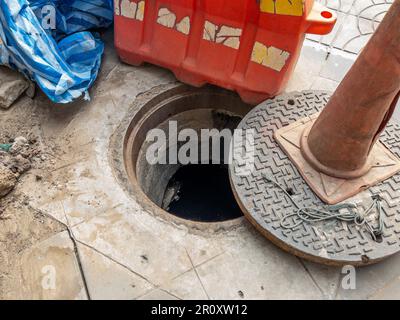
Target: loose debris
(15, 160)
(5, 146)
(22, 149)
(7, 181)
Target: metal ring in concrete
(194, 108)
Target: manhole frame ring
(142, 107)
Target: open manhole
(200, 195)
(191, 195)
(193, 188)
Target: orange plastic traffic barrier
(250, 46)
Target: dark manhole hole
(201, 193)
(197, 193)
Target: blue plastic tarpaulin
(49, 41)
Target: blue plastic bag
(47, 41)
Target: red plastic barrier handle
(320, 20)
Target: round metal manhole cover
(332, 242)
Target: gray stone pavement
(117, 250)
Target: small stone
(7, 181)
(23, 164)
(5, 159)
(21, 140)
(32, 140)
(31, 91)
(18, 145)
(21, 147)
(12, 86)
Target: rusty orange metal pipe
(341, 139)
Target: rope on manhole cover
(313, 214)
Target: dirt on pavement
(21, 227)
